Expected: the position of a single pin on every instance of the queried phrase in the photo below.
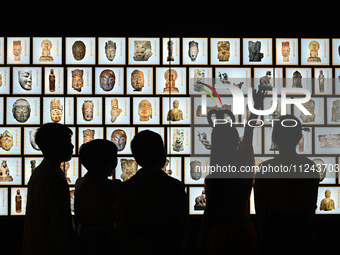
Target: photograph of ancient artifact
(310, 106)
(6, 140)
(193, 50)
(175, 114)
(170, 76)
(178, 139)
(17, 49)
(322, 168)
(167, 171)
(18, 202)
(200, 202)
(203, 138)
(145, 110)
(224, 79)
(87, 110)
(297, 79)
(142, 50)
(199, 78)
(137, 80)
(25, 79)
(115, 110)
(329, 141)
(195, 170)
(170, 47)
(315, 51)
(78, 50)
(77, 79)
(21, 110)
(265, 82)
(119, 138)
(321, 80)
(254, 49)
(54, 80)
(5, 175)
(46, 46)
(110, 50)
(56, 110)
(327, 204)
(223, 49)
(32, 133)
(336, 111)
(107, 80)
(314, 47)
(88, 135)
(285, 51)
(51, 81)
(171, 51)
(65, 166)
(129, 168)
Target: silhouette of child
(283, 220)
(153, 207)
(95, 199)
(48, 222)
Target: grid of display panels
(114, 87)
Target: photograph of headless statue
(153, 208)
(284, 221)
(226, 226)
(95, 199)
(48, 221)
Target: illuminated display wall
(112, 88)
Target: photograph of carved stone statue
(336, 111)
(17, 50)
(107, 79)
(78, 50)
(223, 50)
(88, 135)
(110, 50)
(310, 106)
(277, 113)
(178, 139)
(77, 79)
(200, 201)
(254, 49)
(327, 204)
(137, 80)
(329, 141)
(87, 110)
(297, 80)
(314, 47)
(4, 172)
(129, 168)
(321, 81)
(145, 110)
(265, 82)
(6, 140)
(169, 171)
(46, 46)
(33, 165)
(323, 168)
(170, 76)
(21, 110)
(193, 50)
(285, 51)
(25, 79)
(51, 81)
(56, 110)
(170, 51)
(18, 202)
(175, 114)
(119, 137)
(195, 170)
(115, 110)
(203, 138)
(65, 166)
(142, 50)
(199, 78)
(32, 139)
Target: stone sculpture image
(170, 47)
(6, 140)
(144, 110)
(223, 51)
(336, 111)
(209, 108)
(142, 50)
(88, 135)
(285, 51)
(87, 110)
(175, 114)
(110, 50)
(65, 166)
(170, 76)
(200, 202)
(21, 110)
(18, 202)
(17, 49)
(32, 139)
(225, 80)
(323, 168)
(321, 81)
(195, 170)
(56, 110)
(107, 80)
(265, 82)
(329, 141)
(327, 204)
(115, 110)
(310, 106)
(314, 47)
(119, 137)
(254, 49)
(33, 165)
(129, 168)
(78, 50)
(51, 81)
(46, 46)
(193, 50)
(25, 79)
(137, 80)
(178, 139)
(169, 171)
(199, 78)
(77, 79)
(203, 138)
(297, 80)
(4, 172)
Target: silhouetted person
(153, 208)
(226, 226)
(285, 202)
(95, 199)
(48, 223)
